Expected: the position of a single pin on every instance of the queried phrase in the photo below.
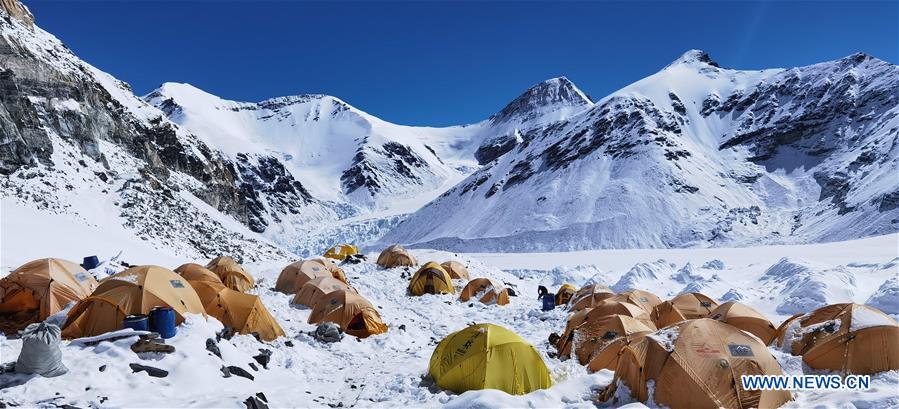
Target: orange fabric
(134, 291)
(195, 272)
(698, 366)
(396, 256)
(343, 308)
(456, 270)
(827, 341)
(687, 306)
(296, 274)
(643, 299)
(46, 285)
(490, 291)
(231, 273)
(745, 318)
(244, 313)
(315, 289)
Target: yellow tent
(353, 313)
(487, 356)
(134, 291)
(231, 273)
(341, 251)
(431, 279)
(244, 314)
(39, 289)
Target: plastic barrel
(549, 302)
(162, 320)
(138, 322)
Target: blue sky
(436, 63)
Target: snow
(864, 317)
(390, 370)
(666, 337)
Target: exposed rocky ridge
(49, 98)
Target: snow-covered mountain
(368, 173)
(694, 155)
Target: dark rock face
(494, 148)
(264, 179)
(403, 165)
(557, 92)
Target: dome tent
(565, 293)
(697, 364)
(332, 267)
(608, 308)
(589, 296)
(456, 270)
(488, 356)
(134, 291)
(431, 279)
(848, 338)
(39, 289)
(244, 314)
(396, 256)
(296, 274)
(643, 299)
(594, 335)
(315, 289)
(745, 318)
(231, 273)
(354, 314)
(687, 306)
(195, 272)
(486, 291)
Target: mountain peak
(693, 57)
(548, 96)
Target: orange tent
(134, 291)
(849, 338)
(355, 315)
(316, 288)
(595, 335)
(231, 273)
(296, 274)
(609, 308)
(687, 306)
(206, 290)
(745, 318)
(697, 364)
(455, 269)
(396, 256)
(643, 299)
(566, 291)
(332, 267)
(39, 289)
(589, 296)
(195, 272)
(486, 291)
(244, 314)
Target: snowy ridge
(695, 155)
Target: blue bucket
(90, 262)
(162, 320)
(139, 322)
(549, 302)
